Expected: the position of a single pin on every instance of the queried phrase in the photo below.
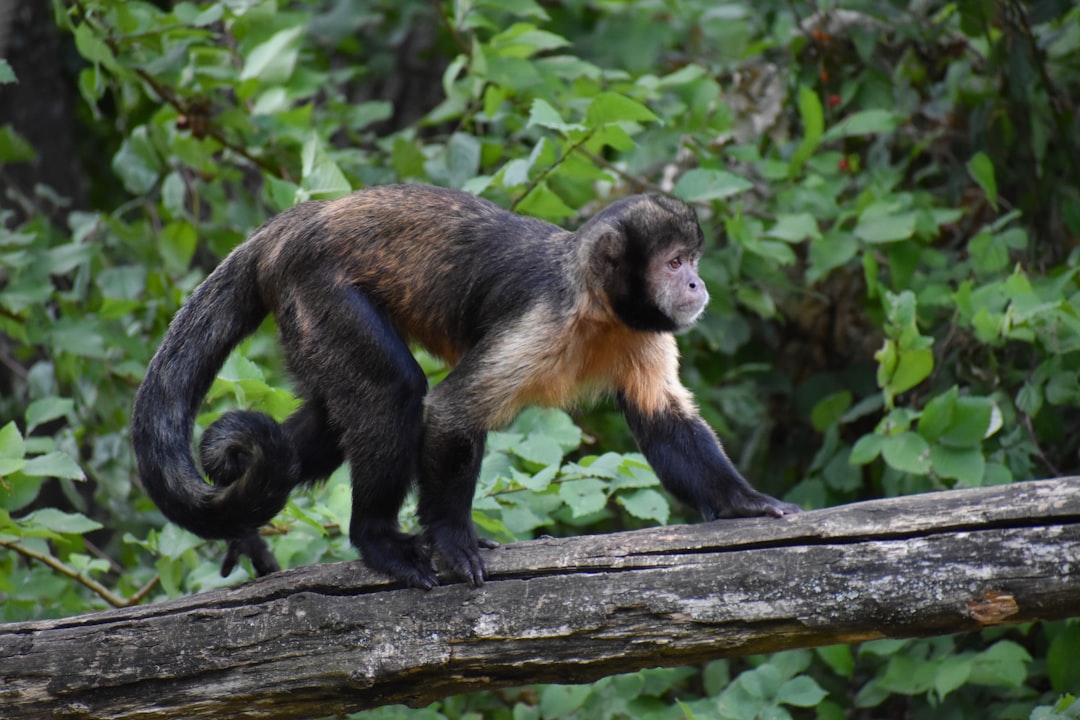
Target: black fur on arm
(687, 457)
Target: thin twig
(637, 182)
(1025, 420)
(108, 595)
(181, 105)
(458, 39)
(550, 169)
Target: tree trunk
(335, 638)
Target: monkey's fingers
(747, 502)
(787, 508)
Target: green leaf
(523, 40)
(539, 450)
(951, 674)
(543, 114)
(177, 245)
(174, 541)
(1061, 666)
(646, 504)
(189, 14)
(543, 203)
(322, 178)
(610, 107)
(830, 409)
(801, 691)
(126, 282)
(17, 490)
(866, 122)
(46, 409)
(55, 464)
(907, 452)
(866, 449)
(62, 259)
(13, 147)
(560, 701)
(795, 228)
(829, 252)
(981, 169)
(538, 482)
(80, 338)
(913, 366)
(960, 422)
(519, 8)
(584, 496)
(841, 474)
(632, 473)
(989, 252)
(813, 120)
(966, 465)
(7, 75)
(551, 423)
(972, 422)
(700, 185)
(273, 61)
(1003, 664)
(839, 659)
(886, 228)
(937, 416)
(11, 441)
(513, 72)
(613, 136)
(94, 49)
(61, 522)
(462, 158)
(137, 163)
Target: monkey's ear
(603, 244)
(610, 246)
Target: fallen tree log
(335, 638)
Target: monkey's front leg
(449, 465)
(690, 462)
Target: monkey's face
(675, 287)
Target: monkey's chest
(575, 370)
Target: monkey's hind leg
(348, 353)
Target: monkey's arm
(687, 457)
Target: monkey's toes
(460, 548)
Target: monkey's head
(643, 252)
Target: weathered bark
(333, 638)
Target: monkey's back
(445, 265)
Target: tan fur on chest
(592, 357)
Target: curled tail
(247, 455)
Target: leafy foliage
(895, 307)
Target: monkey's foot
(397, 554)
(460, 547)
(255, 548)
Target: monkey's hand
(460, 546)
(741, 500)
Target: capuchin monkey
(525, 312)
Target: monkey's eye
(675, 263)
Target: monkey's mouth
(686, 315)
